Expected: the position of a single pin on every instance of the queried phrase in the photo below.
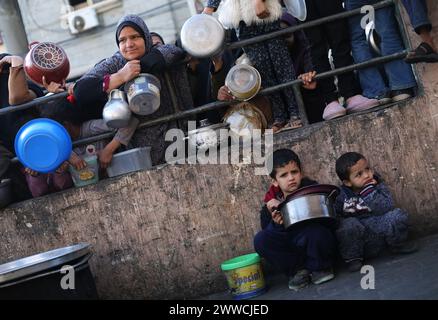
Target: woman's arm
(17, 84)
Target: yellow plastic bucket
(244, 276)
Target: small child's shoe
(322, 276)
(333, 110)
(354, 265)
(300, 280)
(404, 248)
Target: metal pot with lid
(243, 81)
(143, 94)
(203, 36)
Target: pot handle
(33, 43)
(333, 194)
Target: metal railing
(295, 84)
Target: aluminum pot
(243, 81)
(207, 136)
(312, 202)
(116, 113)
(143, 94)
(46, 59)
(203, 36)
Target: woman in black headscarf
(136, 55)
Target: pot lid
(242, 78)
(202, 35)
(43, 261)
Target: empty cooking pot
(203, 36)
(243, 81)
(143, 94)
(46, 59)
(312, 202)
(116, 113)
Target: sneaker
(400, 95)
(384, 98)
(354, 265)
(300, 280)
(359, 103)
(333, 110)
(322, 276)
(404, 248)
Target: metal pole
(300, 103)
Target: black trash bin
(40, 277)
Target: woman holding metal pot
(136, 55)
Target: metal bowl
(243, 81)
(313, 202)
(203, 36)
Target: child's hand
(208, 10)
(272, 205)
(224, 94)
(77, 162)
(105, 157)
(218, 62)
(33, 173)
(14, 61)
(308, 80)
(277, 217)
(54, 87)
(62, 168)
(261, 11)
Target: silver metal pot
(143, 94)
(116, 113)
(313, 202)
(203, 36)
(207, 135)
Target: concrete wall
(42, 20)
(163, 233)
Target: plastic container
(42, 145)
(244, 276)
(130, 161)
(88, 175)
(40, 276)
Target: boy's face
(360, 175)
(288, 178)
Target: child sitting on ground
(304, 251)
(368, 219)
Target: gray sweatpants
(367, 237)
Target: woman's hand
(261, 11)
(130, 71)
(106, 154)
(14, 61)
(309, 82)
(54, 87)
(224, 94)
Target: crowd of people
(368, 220)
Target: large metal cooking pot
(143, 94)
(312, 202)
(116, 113)
(203, 36)
(243, 81)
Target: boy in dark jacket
(368, 219)
(304, 251)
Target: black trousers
(335, 36)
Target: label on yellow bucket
(246, 279)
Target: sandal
(295, 123)
(423, 53)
